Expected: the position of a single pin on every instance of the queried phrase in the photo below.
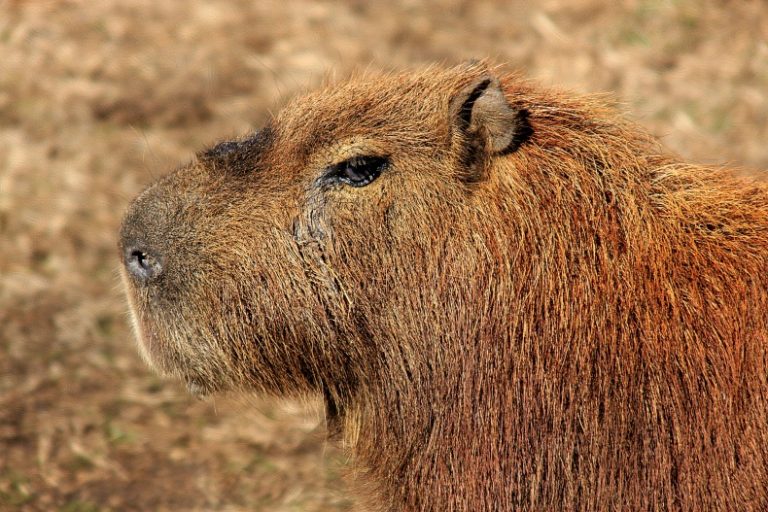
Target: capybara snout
(508, 297)
(143, 241)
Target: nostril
(142, 264)
(143, 259)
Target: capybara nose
(142, 263)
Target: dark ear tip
(523, 132)
(465, 113)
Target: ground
(98, 98)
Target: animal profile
(509, 297)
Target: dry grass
(97, 98)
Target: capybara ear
(482, 112)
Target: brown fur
(577, 321)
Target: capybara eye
(358, 171)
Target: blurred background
(98, 98)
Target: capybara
(509, 297)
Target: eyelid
(370, 166)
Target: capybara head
(508, 297)
(263, 263)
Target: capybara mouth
(149, 342)
(154, 350)
(168, 349)
(143, 334)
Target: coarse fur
(534, 306)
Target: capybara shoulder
(509, 297)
